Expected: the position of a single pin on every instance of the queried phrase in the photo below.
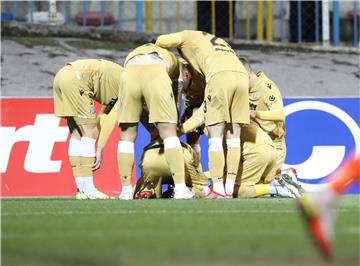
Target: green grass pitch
(168, 232)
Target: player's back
(149, 48)
(107, 86)
(101, 77)
(208, 54)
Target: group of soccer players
(240, 111)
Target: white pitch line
(64, 213)
(145, 232)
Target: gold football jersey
(206, 53)
(101, 77)
(265, 98)
(167, 56)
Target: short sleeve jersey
(169, 58)
(101, 77)
(266, 96)
(206, 53)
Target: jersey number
(218, 45)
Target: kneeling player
(155, 172)
(267, 111)
(258, 160)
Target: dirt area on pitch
(28, 67)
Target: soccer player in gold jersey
(147, 78)
(258, 160)
(267, 111)
(155, 172)
(76, 86)
(226, 98)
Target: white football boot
(96, 194)
(80, 196)
(126, 196)
(184, 194)
(283, 192)
(290, 176)
(288, 186)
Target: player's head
(186, 74)
(245, 63)
(252, 74)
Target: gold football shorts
(72, 97)
(149, 83)
(226, 98)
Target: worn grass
(32, 41)
(93, 44)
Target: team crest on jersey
(271, 98)
(81, 92)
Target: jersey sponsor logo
(269, 86)
(320, 135)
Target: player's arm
(106, 125)
(195, 121)
(273, 101)
(271, 115)
(169, 40)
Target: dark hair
(246, 63)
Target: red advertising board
(34, 148)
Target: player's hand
(253, 113)
(98, 159)
(180, 130)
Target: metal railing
(321, 22)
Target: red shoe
(315, 226)
(214, 195)
(144, 195)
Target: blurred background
(334, 23)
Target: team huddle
(208, 90)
